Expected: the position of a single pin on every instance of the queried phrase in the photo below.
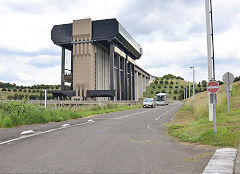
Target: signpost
(213, 88)
(228, 78)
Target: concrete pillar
(118, 77)
(130, 80)
(63, 69)
(123, 78)
(133, 82)
(136, 86)
(126, 76)
(72, 69)
(111, 59)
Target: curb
(237, 162)
(222, 162)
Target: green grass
(191, 122)
(19, 113)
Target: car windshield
(148, 100)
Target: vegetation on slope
(191, 123)
(173, 85)
(20, 113)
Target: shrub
(163, 91)
(4, 89)
(170, 86)
(174, 97)
(9, 89)
(175, 91)
(166, 82)
(159, 87)
(14, 90)
(171, 82)
(153, 87)
(161, 82)
(176, 86)
(156, 82)
(165, 86)
(152, 92)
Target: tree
(204, 83)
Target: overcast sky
(172, 34)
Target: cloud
(171, 32)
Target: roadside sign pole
(45, 103)
(228, 78)
(214, 113)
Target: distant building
(102, 58)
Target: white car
(149, 103)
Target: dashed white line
(149, 127)
(165, 113)
(40, 133)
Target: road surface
(132, 141)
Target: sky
(172, 34)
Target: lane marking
(149, 127)
(222, 161)
(165, 113)
(40, 133)
(136, 113)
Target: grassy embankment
(19, 113)
(191, 122)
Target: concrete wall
(83, 57)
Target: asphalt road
(132, 141)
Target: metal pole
(214, 113)
(193, 83)
(210, 51)
(45, 104)
(189, 90)
(186, 93)
(184, 97)
(228, 99)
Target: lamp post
(192, 67)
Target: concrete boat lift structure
(102, 56)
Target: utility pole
(45, 103)
(210, 50)
(192, 67)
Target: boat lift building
(102, 59)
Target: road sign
(212, 87)
(228, 78)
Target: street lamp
(192, 67)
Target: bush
(14, 90)
(166, 82)
(161, 82)
(156, 82)
(159, 87)
(165, 86)
(174, 97)
(4, 89)
(175, 91)
(171, 82)
(152, 92)
(176, 86)
(9, 89)
(170, 87)
(182, 87)
(153, 87)
(163, 91)
(20, 90)
(24, 90)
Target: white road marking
(222, 161)
(136, 113)
(165, 113)
(91, 121)
(149, 127)
(65, 125)
(40, 133)
(27, 132)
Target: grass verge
(191, 123)
(19, 113)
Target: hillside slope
(191, 122)
(172, 85)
